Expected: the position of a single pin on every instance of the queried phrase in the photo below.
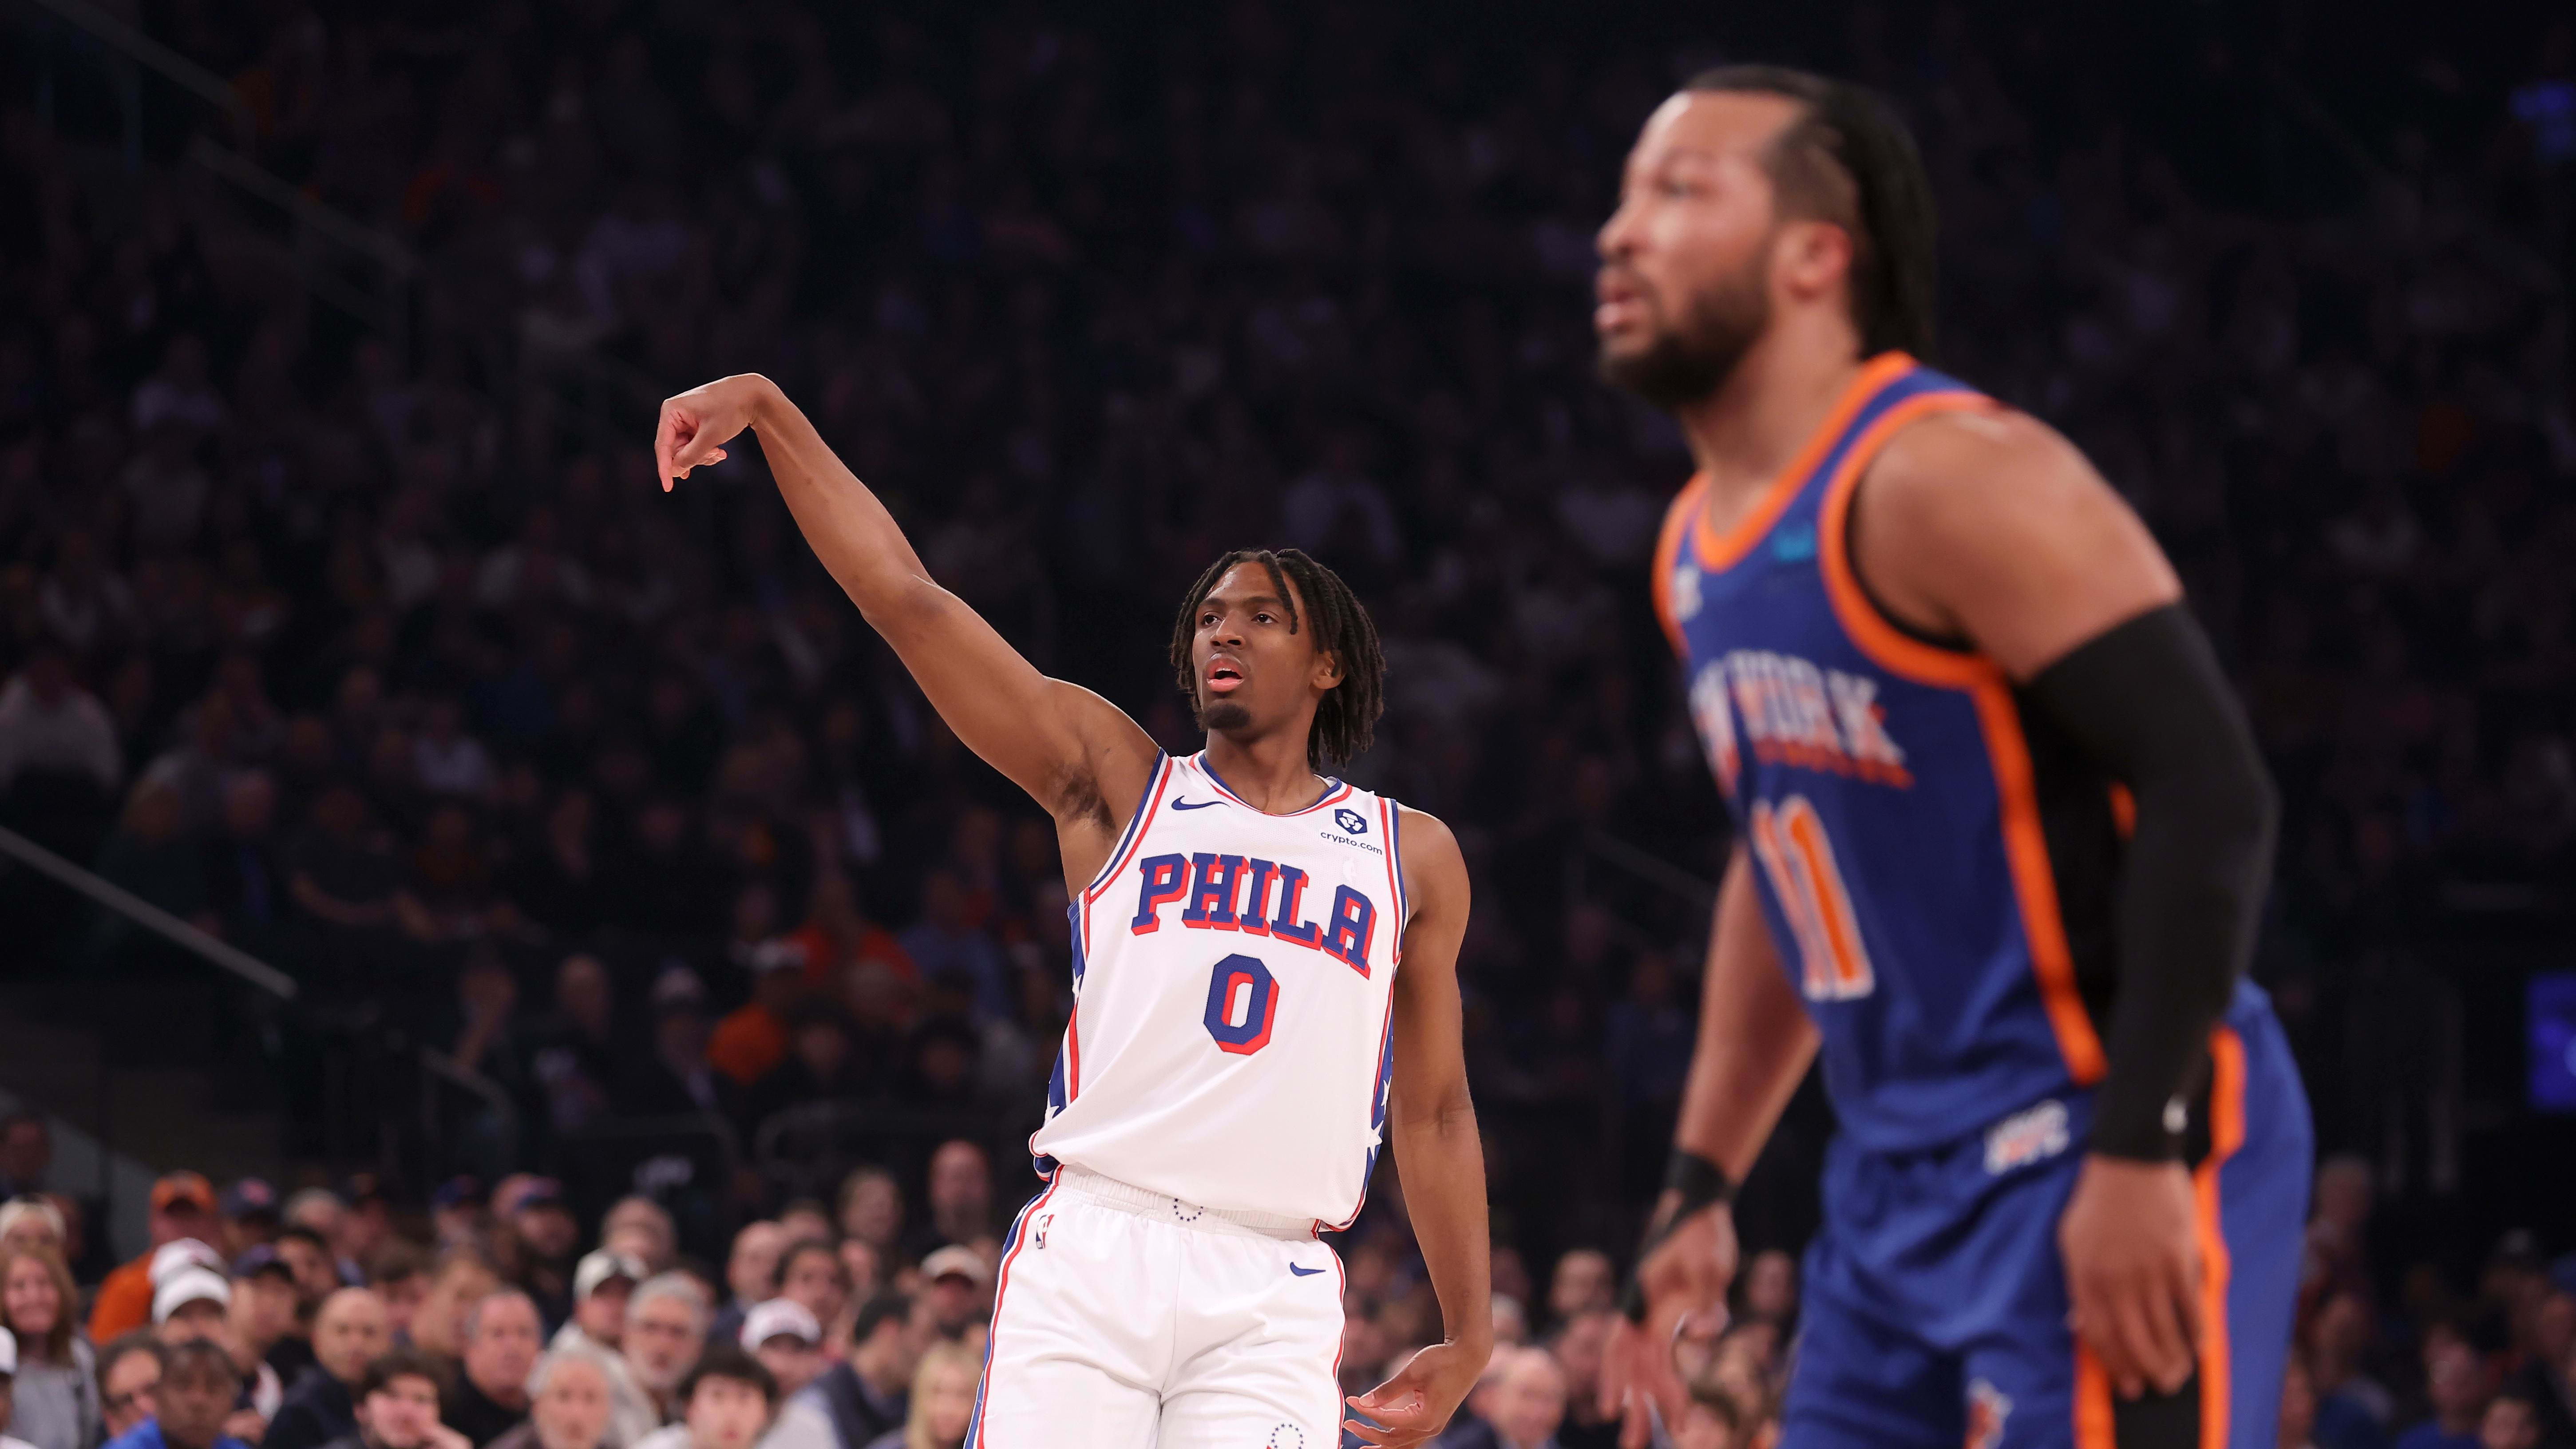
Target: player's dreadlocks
(1346, 717)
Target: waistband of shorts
(1163, 1207)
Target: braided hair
(1346, 717)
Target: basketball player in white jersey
(1265, 980)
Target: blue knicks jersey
(1885, 790)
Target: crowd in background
(336, 1318)
(380, 656)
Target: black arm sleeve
(2147, 701)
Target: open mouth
(1224, 675)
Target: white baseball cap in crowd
(189, 1285)
(598, 1266)
(959, 1259)
(8, 1354)
(780, 1317)
(182, 1253)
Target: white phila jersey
(1233, 976)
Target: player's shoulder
(1955, 466)
(1432, 859)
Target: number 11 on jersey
(1799, 859)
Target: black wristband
(1700, 1184)
(1698, 1180)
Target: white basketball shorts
(1126, 1319)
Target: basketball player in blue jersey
(2001, 838)
(1265, 978)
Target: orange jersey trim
(1719, 551)
(2093, 1413)
(2008, 752)
(1668, 552)
(2226, 1134)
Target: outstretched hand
(1683, 1276)
(1415, 1405)
(697, 424)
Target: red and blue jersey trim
(1335, 792)
(1010, 1253)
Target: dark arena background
(407, 800)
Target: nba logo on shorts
(2025, 1137)
(1037, 1237)
(1987, 1410)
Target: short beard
(1221, 715)
(1690, 361)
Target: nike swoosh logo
(1202, 805)
(1304, 1272)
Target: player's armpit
(1990, 527)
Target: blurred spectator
(1581, 1284)
(31, 1223)
(1579, 1347)
(602, 1283)
(951, 944)
(2298, 1406)
(2458, 1382)
(398, 1273)
(183, 1206)
(306, 1251)
(550, 1241)
(460, 1211)
(641, 1229)
(788, 1341)
(871, 1209)
(246, 885)
(1511, 1321)
(2510, 1422)
(397, 1405)
(751, 1041)
(26, 1154)
(1771, 1287)
(942, 1401)
(751, 1274)
(726, 1401)
(192, 1303)
(503, 1337)
(569, 1402)
(192, 1401)
(261, 1318)
(666, 1328)
(349, 1333)
(2543, 1380)
(957, 1287)
(837, 937)
(673, 1078)
(961, 1195)
(811, 1276)
(339, 876)
(248, 1214)
(822, 1064)
(1517, 1405)
(576, 1063)
(129, 1382)
(868, 1394)
(2353, 1409)
(461, 1278)
(49, 725)
(57, 1376)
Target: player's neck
(1746, 432)
(1270, 773)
